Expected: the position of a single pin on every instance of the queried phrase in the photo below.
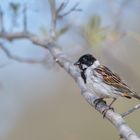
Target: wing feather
(114, 80)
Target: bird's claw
(106, 109)
(97, 101)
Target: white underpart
(96, 85)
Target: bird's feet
(106, 109)
(97, 101)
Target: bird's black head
(85, 61)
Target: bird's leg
(97, 101)
(109, 107)
(114, 99)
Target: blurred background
(41, 101)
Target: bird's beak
(77, 63)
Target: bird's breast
(98, 87)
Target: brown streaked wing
(113, 79)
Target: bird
(103, 82)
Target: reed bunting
(101, 81)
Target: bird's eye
(84, 59)
(90, 63)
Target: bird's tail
(135, 95)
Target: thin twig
(130, 110)
(20, 59)
(62, 6)
(25, 17)
(1, 21)
(56, 14)
(54, 18)
(73, 9)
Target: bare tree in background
(50, 43)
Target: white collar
(95, 64)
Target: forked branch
(19, 58)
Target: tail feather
(127, 96)
(132, 94)
(136, 96)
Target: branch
(25, 18)
(1, 21)
(56, 14)
(130, 110)
(125, 131)
(62, 6)
(20, 59)
(116, 119)
(54, 18)
(73, 9)
(24, 35)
